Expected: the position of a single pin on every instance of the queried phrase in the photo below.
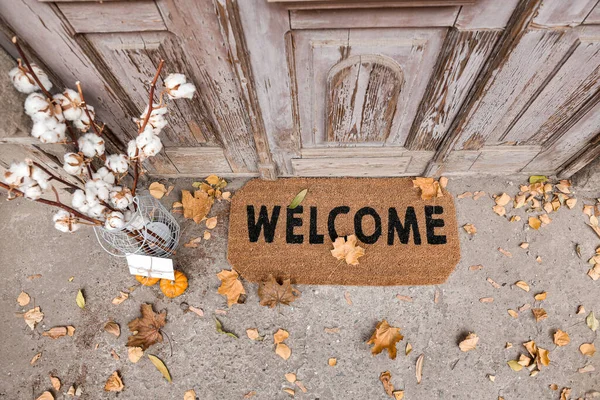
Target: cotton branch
(136, 171)
(56, 178)
(87, 112)
(84, 217)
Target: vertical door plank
(196, 25)
(460, 61)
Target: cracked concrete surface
(219, 367)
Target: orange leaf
(385, 337)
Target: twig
(56, 178)
(18, 193)
(87, 112)
(136, 170)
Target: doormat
(407, 240)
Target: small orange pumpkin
(174, 288)
(146, 280)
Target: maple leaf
(385, 337)
(230, 287)
(430, 188)
(197, 206)
(271, 293)
(146, 330)
(347, 250)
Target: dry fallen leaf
(23, 299)
(398, 394)
(524, 245)
(475, 267)
(470, 229)
(404, 298)
(522, 285)
(250, 394)
(301, 386)
(587, 368)
(120, 298)
(114, 355)
(477, 195)
(591, 321)
(419, 368)
(332, 362)
(539, 314)
(469, 343)
(35, 358)
(541, 296)
(56, 332)
(587, 349)
(211, 223)
(230, 287)
(385, 337)
(535, 223)
(580, 310)
(193, 243)
(494, 283)
(206, 235)
(502, 200)
(514, 365)
(280, 336)
(486, 300)
(55, 382)
(198, 311)
(561, 338)
(134, 354)
(157, 190)
(465, 195)
(253, 334)
(34, 276)
(283, 351)
(33, 317)
(46, 396)
(146, 329)
(332, 330)
(289, 391)
(196, 207)
(505, 252)
(346, 249)
(290, 377)
(565, 393)
(348, 299)
(271, 293)
(386, 378)
(500, 210)
(189, 395)
(113, 327)
(430, 188)
(408, 349)
(513, 313)
(160, 366)
(114, 383)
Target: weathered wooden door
(337, 87)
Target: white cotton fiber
(38, 107)
(91, 145)
(25, 83)
(104, 174)
(49, 130)
(83, 123)
(69, 101)
(117, 163)
(178, 87)
(114, 220)
(120, 197)
(73, 164)
(65, 221)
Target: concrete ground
(217, 366)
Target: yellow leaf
(430, 188)
(561, 338)
(539, 314)
(211, 222)
(513, 313)
(543, 357)
(522, 285)
(212, 180)
(587, 349)
(332, 362)
(502, 200)
(23, 299)
(408, 349)
(385, 337)
(290, 377)
(157, 190)
(189, 395)
(514, 364)
(469, 343)
(55, 382)
(535, 223)
(231, 287)
(46, 396)
(196, 207)
(160, 366)
(541, 296)
(134, 354)
(592, 322)
(280, 336)
(80, 300)
(470, 229)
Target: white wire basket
(151, 231)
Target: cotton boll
(114, 220)
(99, 187)
(117, 163)
(41, 177)
(66, 222)
(104, 174)
(24, 82)
(174, 80)
(79, 201)
(153, 147)
(38, 107)
(31, 189)
(74, 163)
(131, 148)
(83, 123)
(16, 173)
(49, 130)
(97, 211)
(91, 145)
(120, 197)
(157, 109)
(70, 102)
(185, 91)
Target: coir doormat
(407, 240)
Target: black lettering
(432, 223)
(331, 220)
(291, 223)
(314, 237)
(410, 223)
(254, 228)
(358, 229)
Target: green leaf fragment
(538, 178)
(514, 364)
(298, 199)
(592, 322)
(219, 327)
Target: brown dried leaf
(561, 338)
(580, 310)
(430, 188)
(469, 343)
(23, 299)
(505, 252)
(250, 394)
(253, 334)
(198, 311)
(120, 298)
(55, 382)
(524, 245)
(46, 396)
(33, 316)
(348, 299)
(134, 354)
(408, 349)
(56, 332)
(470, 229)
(146, 329)
(114, 383)
(539, 314)
(283, 351)
(290, 377)
(193, 243)
(503, 199)
(385, 337)
(332, 330)
(398, 395)
(587, 349)
(543, 358)
(477, 195)
(500, 210)
(346, 249)
(513, 313)
(271, 293)
(211, 223)
(386, 380)
(115, 355)
(206, 235)
(196, 207)
(541, 296)
(189, 395)
(113, 327)
(587, 368)
(475, 267)
(571, 203)
(35, 358)
(157, 190)
(486, 300)
(419, 368)
(522, 285)
(332, 362)
(404, 298)
(289, 391)
(301, 386)
(231, 287)
(465, 195)
(493, 283)
(565, 393)
(535, 223)
(524, 360)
